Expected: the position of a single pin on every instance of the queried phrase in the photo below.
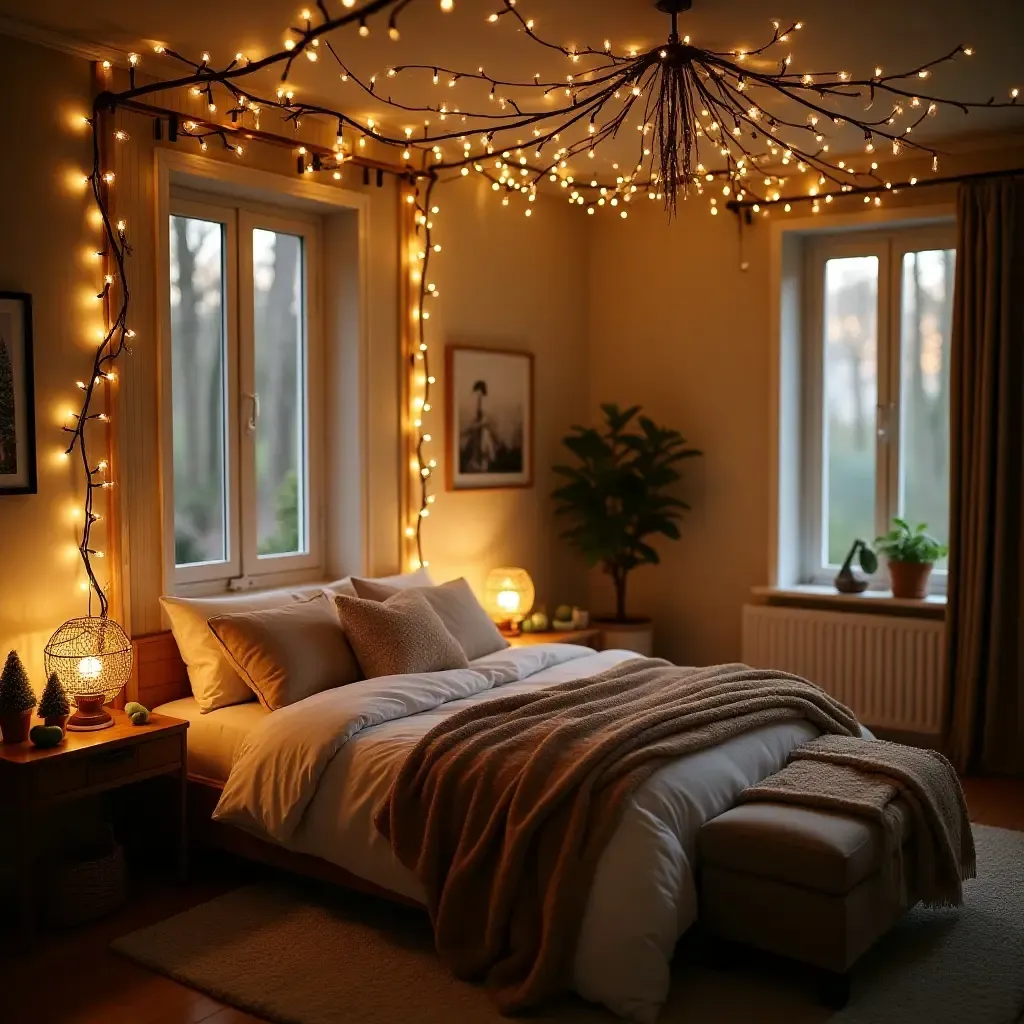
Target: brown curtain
(985, 624)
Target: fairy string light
(703, 118)
(117, 337)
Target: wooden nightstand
(34, 781)
(583, 637)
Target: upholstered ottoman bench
(804, 883)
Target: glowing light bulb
(90, 669)
(447, 5)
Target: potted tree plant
(616, 500)
(911, 554)
(54, 708)
(16, 701)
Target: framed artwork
(17, 396)
(490, 419)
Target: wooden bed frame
(160, 676)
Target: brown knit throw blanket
(865, 777)
(502, 810)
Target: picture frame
(490, 418)
(17, 396)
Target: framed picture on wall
(490, 418)
(17, 396)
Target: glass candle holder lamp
(508, 596)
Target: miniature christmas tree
(16, 694)
(54, 701)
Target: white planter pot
(628, 636)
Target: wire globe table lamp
(92, 658)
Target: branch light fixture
(741, 127)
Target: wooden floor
(74, 978)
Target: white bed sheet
(214, 738)
(315, 774)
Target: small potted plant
(54, 708)
(616, 500)
(847, 581)
(16, 701)
(911, 554)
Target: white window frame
(244, 567)
(890, 246)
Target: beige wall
(678, 327)
(45, 236)
(509, 281)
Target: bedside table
(583, 637)
(33, 781)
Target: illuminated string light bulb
(364, 29)
(447, 5)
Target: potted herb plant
(16, 701)
(911, 554)
(616, 501)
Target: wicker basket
(86, 889)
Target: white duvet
(311, 777)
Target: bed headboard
(158, 673)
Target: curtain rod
(746, 207)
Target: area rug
(300, 954)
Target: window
(876, 389)
(243, 492)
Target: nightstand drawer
(158, 753)
(59, 776)
(110, 765)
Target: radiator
(889, 670)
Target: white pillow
(403, 581)
(215, 683)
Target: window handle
(254, 413)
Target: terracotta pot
(61, 720)
(15, 726)
(910, 579)
(635, 635)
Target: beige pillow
(419, 578)
(402, 634)
(460, 611)
(215, 683)
(288, 654)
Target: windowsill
(809, 595)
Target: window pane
(924, 409)
(198, 345)
(280, 364)
(851, 399)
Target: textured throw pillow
(288, 654)
(460, 611)
(215, 683)
(419, 578)
(402, 634)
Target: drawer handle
(116, 756)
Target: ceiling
(855, 35)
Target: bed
(298, 788)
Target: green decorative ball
(563, 613)
(526, 626)
(540, 622)
(134, 706)
(139, 717)
(46, 736)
